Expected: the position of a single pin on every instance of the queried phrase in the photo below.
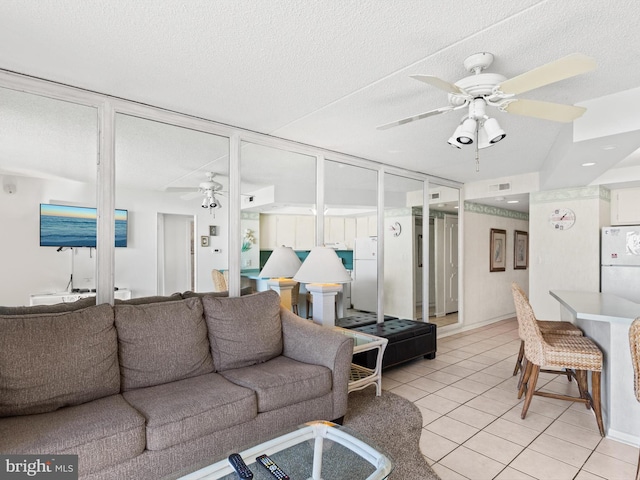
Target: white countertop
(603, 307)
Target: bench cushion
(192, 408)
(103, 432)
(245, 330)
(282, 381)
(161, 342)
(49, 361)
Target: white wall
(28, 268)
(487, 295)
(565, 259)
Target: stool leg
(531, 388)
(522, 370)
(525, 379)
(583, 386)
(519, 360)
(595, 399)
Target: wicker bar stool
(547, 327)
(572, 352)
(634, 343)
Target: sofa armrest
(307, 342)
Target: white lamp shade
(322, 265)
(283, 262)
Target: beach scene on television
(69, 226)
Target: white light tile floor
(471, 416)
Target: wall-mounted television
(69, 226)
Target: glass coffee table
(314, 451)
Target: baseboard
(458, 328)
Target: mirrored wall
(443, 250)
(403, 255)
(174, 184)
(48, 156)
(351, 227)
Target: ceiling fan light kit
(479, 90)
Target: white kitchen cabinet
(305, 232)
(286, 230)
(625, 206)
(268, 229)
(349, 231)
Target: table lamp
(283, 263)
(323, 273)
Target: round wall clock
(396, 228)
(562, 218)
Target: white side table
(362, 377)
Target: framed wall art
(520, 250)
(204, 241)
(497, 250)
(213, 230)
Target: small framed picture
(204, 241)
(497, 250)
(213, 230)
(520, 250)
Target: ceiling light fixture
(588, 164)
(478, 128)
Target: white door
(451, 263)
(175, 264)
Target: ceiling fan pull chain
(477, 150)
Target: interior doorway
(176, 263)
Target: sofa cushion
(48, 361)
(282, 381)
(187, 409)
(245, 330)
(161, 342)
(189, 293)
(152, 299)
(104, 432)
(55, 308)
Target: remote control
(239, 466)
(273, 468)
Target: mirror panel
(278, 195)
(443, 252)
(351, 226)
(403, 264)
(48, 154)
(165, 175)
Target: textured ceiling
(327, 73)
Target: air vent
(500, 187)
(435, 196)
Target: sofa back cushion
(244, 330)
(161, 342)
(48, 361)
(152, 299)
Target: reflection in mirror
(351, 227)
(173, 182)
(403, 199)
(443, 252)
(48, 155)
(278, 194)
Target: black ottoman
(408, 339)
(360, 320)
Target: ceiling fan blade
(416, 117)
(566, 67)
(180, 189)
(556, 112)
(439, 83)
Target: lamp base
(324, 301)
(283, 286)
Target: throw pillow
(244, 330)
(48, 361)
(161, 342)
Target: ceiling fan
(480, 90)
(209, 189)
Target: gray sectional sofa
(152, 387)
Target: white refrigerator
(620, 262)
(364, 287)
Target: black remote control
(239, 466)
(273, 468)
